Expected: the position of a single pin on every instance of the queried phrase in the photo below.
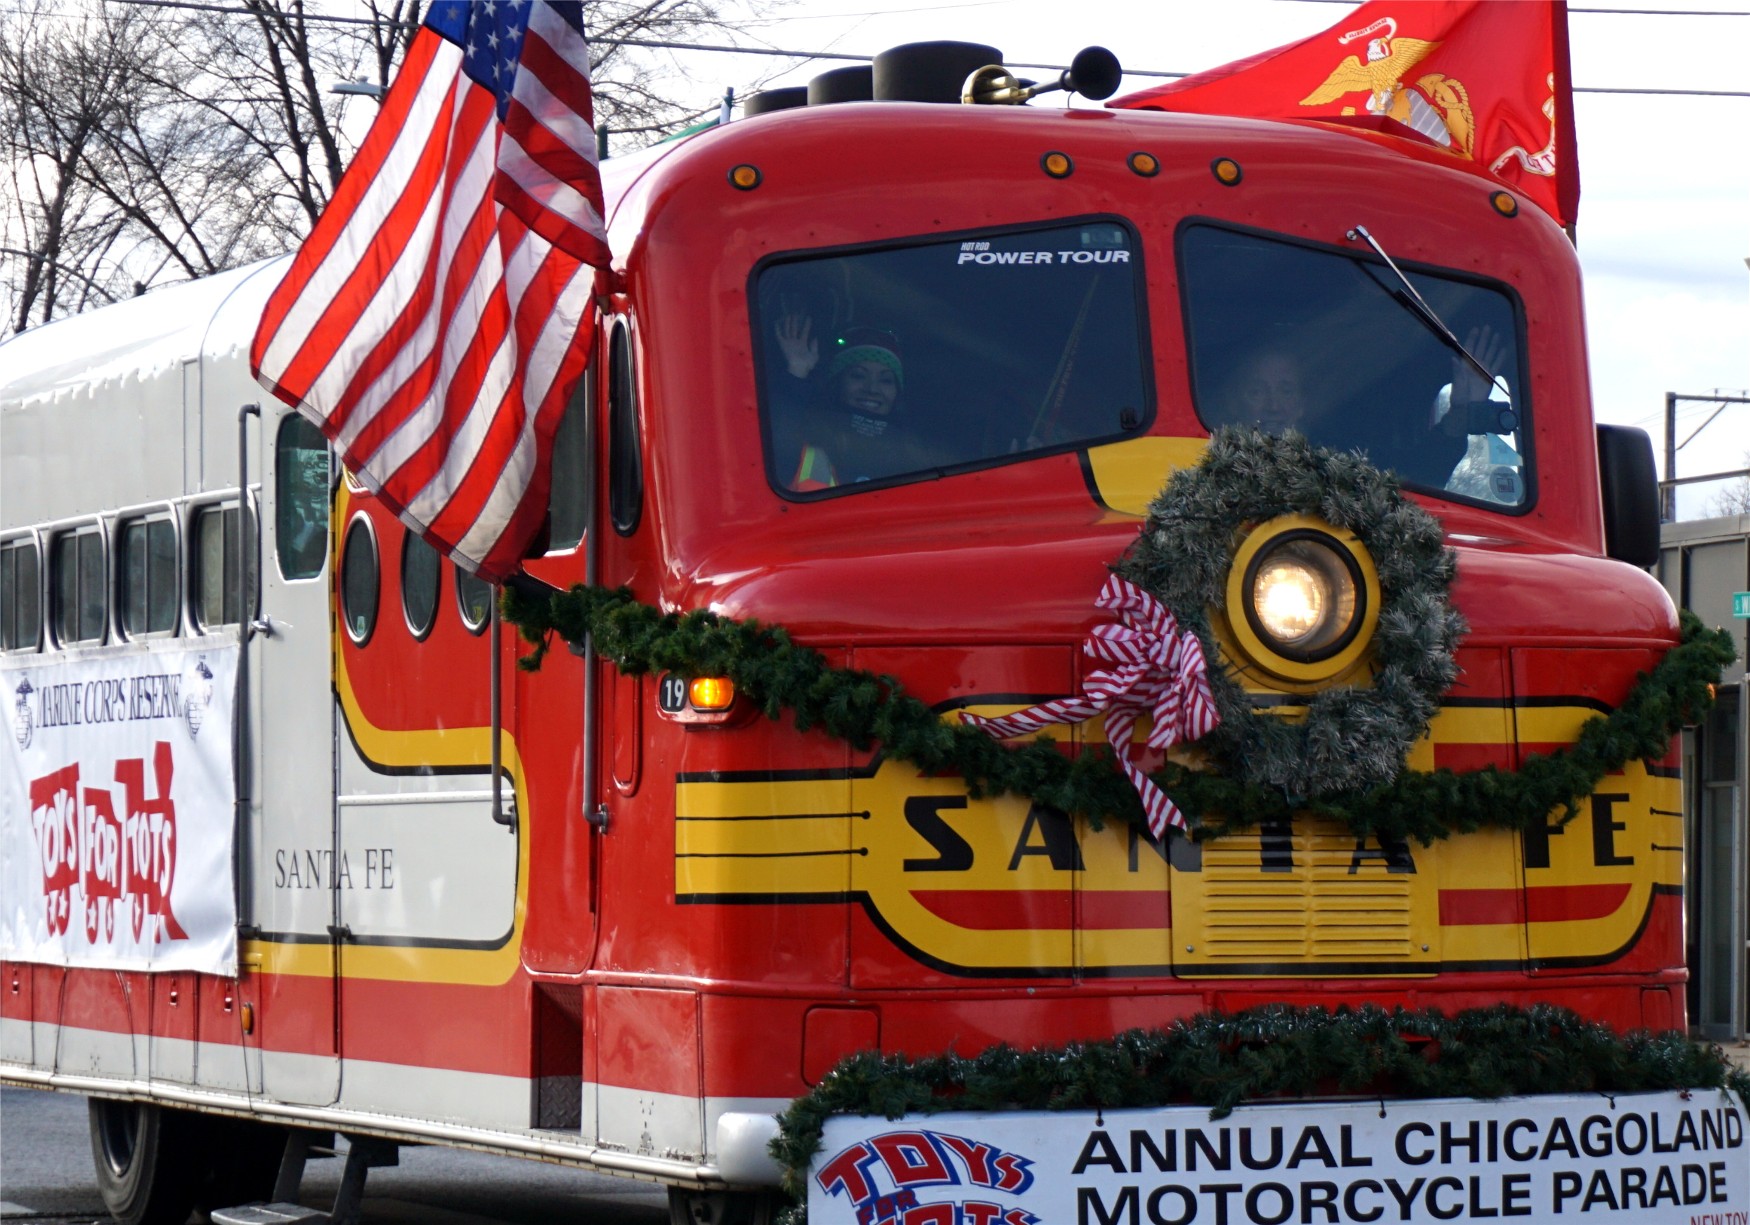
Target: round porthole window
(421, 571)
(360, 581)
(474, 598)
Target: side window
(76, 577)
(146, 578)
(360, 580)
(568, 499)
(300, 498)
(474, 598)
(421, 574)
(21, 610)
(213, 585)
(625, 466)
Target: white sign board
(1657, 1157)
(116, 808)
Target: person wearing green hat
(858, 435)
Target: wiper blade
(1418, 306)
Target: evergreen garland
(777, 674)
(1352, 737)
(1275, 1051)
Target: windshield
(905, 362)
(1285, 336)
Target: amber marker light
(249, 1018)
(1227, 172)
(1145, 164)
(1057, 165)
(711, 692)
(1504, 203)
(744, 177)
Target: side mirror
(1629, 485)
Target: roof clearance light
(1057, 165)
(744, 177)
(1227, 172)
(1504, 203)
(1145, 164)
(711, 692)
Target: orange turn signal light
(744, 177)
(1227, 172)
(1504, 203)
(1145, 164)
(711, 692)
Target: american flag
(437, 316)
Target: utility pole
(1668, 486)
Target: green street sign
(1741, 604)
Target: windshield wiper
(1418, 306)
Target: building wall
(1703, 564)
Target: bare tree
(1733, 499)
(147, 142)
(69, 79)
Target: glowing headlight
(1303, 596)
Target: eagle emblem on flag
(1437, 106)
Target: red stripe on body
(1023, 909)
(1534, 904)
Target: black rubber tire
(149, 1161)
(243, 1162)
(689, 1207)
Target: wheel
(689, 1207)
(242, 1163)
(149, 1161)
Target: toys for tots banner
(1671, 1157)
(116, 826)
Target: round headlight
(1303, 596)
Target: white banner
(118, 794)
(1651, 1157)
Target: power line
(665, 45)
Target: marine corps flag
(1487, 80)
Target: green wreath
(1352, 737)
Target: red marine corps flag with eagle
(1485, 79)
(430, 323)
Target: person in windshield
(1270, 393)
(853, 428)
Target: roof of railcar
(214, 316)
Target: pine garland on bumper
(1219, 1060)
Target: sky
(1664, 223)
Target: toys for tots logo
(881, 1179)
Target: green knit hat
(845, 356)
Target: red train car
(902, 378)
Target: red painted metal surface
(971, 588)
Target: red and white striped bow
(1159, 671)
